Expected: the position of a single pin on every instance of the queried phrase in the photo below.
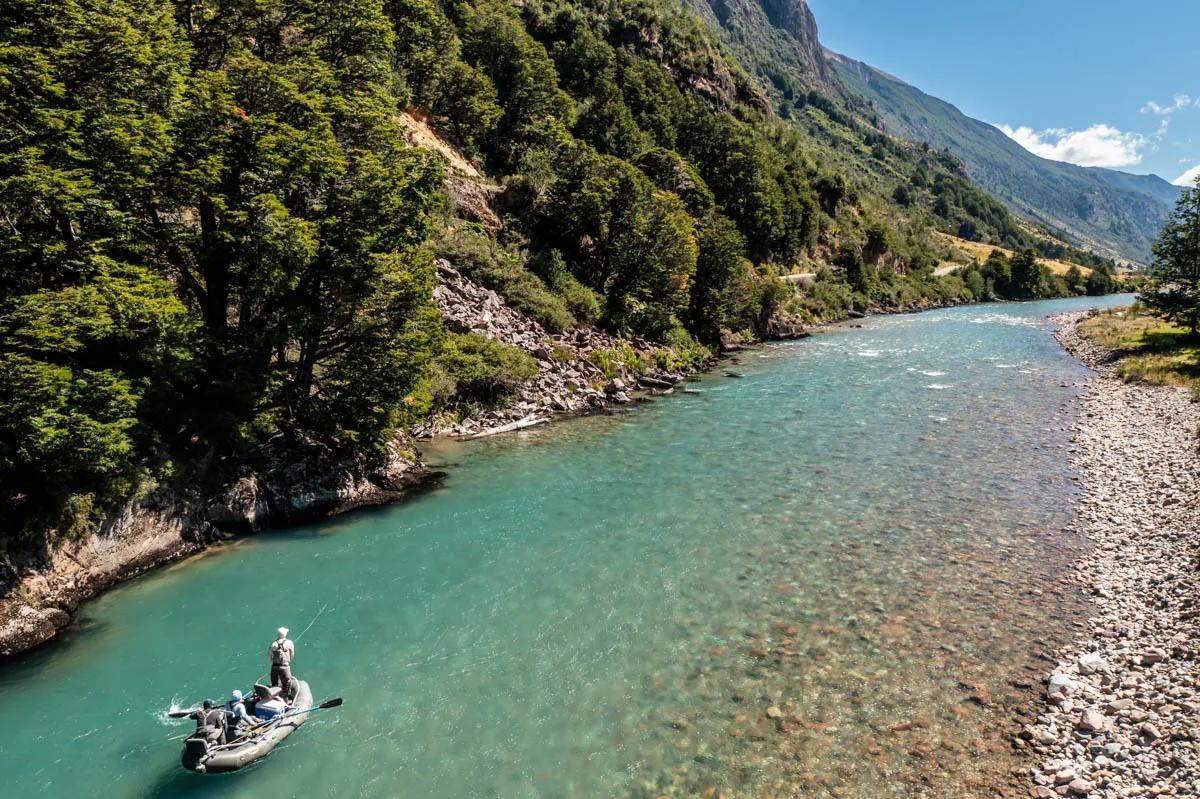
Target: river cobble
(1121, 710)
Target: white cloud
(1188, 178)
(1099, 145)
(1178, 102)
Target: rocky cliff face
(795, 17)
(772, 37)
(39, 596)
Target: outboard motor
(195, 749)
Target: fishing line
(301, 635)
(311, 623)
(298, 637)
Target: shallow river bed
(832, 576)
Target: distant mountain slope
(1114, 212)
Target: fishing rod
(298, 637)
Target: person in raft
(237, 716)
(210, 722)
(280, 653)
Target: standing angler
(280, 654)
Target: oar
(326, 705)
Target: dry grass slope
(973, 250)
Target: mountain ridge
(1116, 213)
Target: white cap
(282, 632)
(236, 696)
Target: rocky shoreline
(569, 379)
(40, 595)
(1120, 715)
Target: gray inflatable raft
(202, 757)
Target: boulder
(1091, 720)
(1060, 685)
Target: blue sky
(1094, 82)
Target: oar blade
(331, 703)
(180, 714)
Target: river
(833, 574)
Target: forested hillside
(216, 238)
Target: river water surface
(830, 576)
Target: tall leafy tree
(1174, 287)
(721, 268)
(304, 254)
(1027, 275)
(91, 332)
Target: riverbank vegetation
(216, 240)
(860, 287)
(1146, 347)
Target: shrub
(610, 361)
(480, 370)
(684, 351)
(581, 301)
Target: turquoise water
(860, 534)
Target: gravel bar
(1120, 715)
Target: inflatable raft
(204, 757)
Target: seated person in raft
(238, 717)
(210, 722)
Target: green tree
(1174, 287)
(92, 336)
(495, 42)
(469, 102)
(1076, 282)
(975, 283)
(425, 50)
(1026, 275)
(721, 268)
(671, 172)
(654, 258)
(310, 210)
(997, 272)
(859, 274)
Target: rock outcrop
(39, 596)
(294, 490)
(786, 327)
(569, 377)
